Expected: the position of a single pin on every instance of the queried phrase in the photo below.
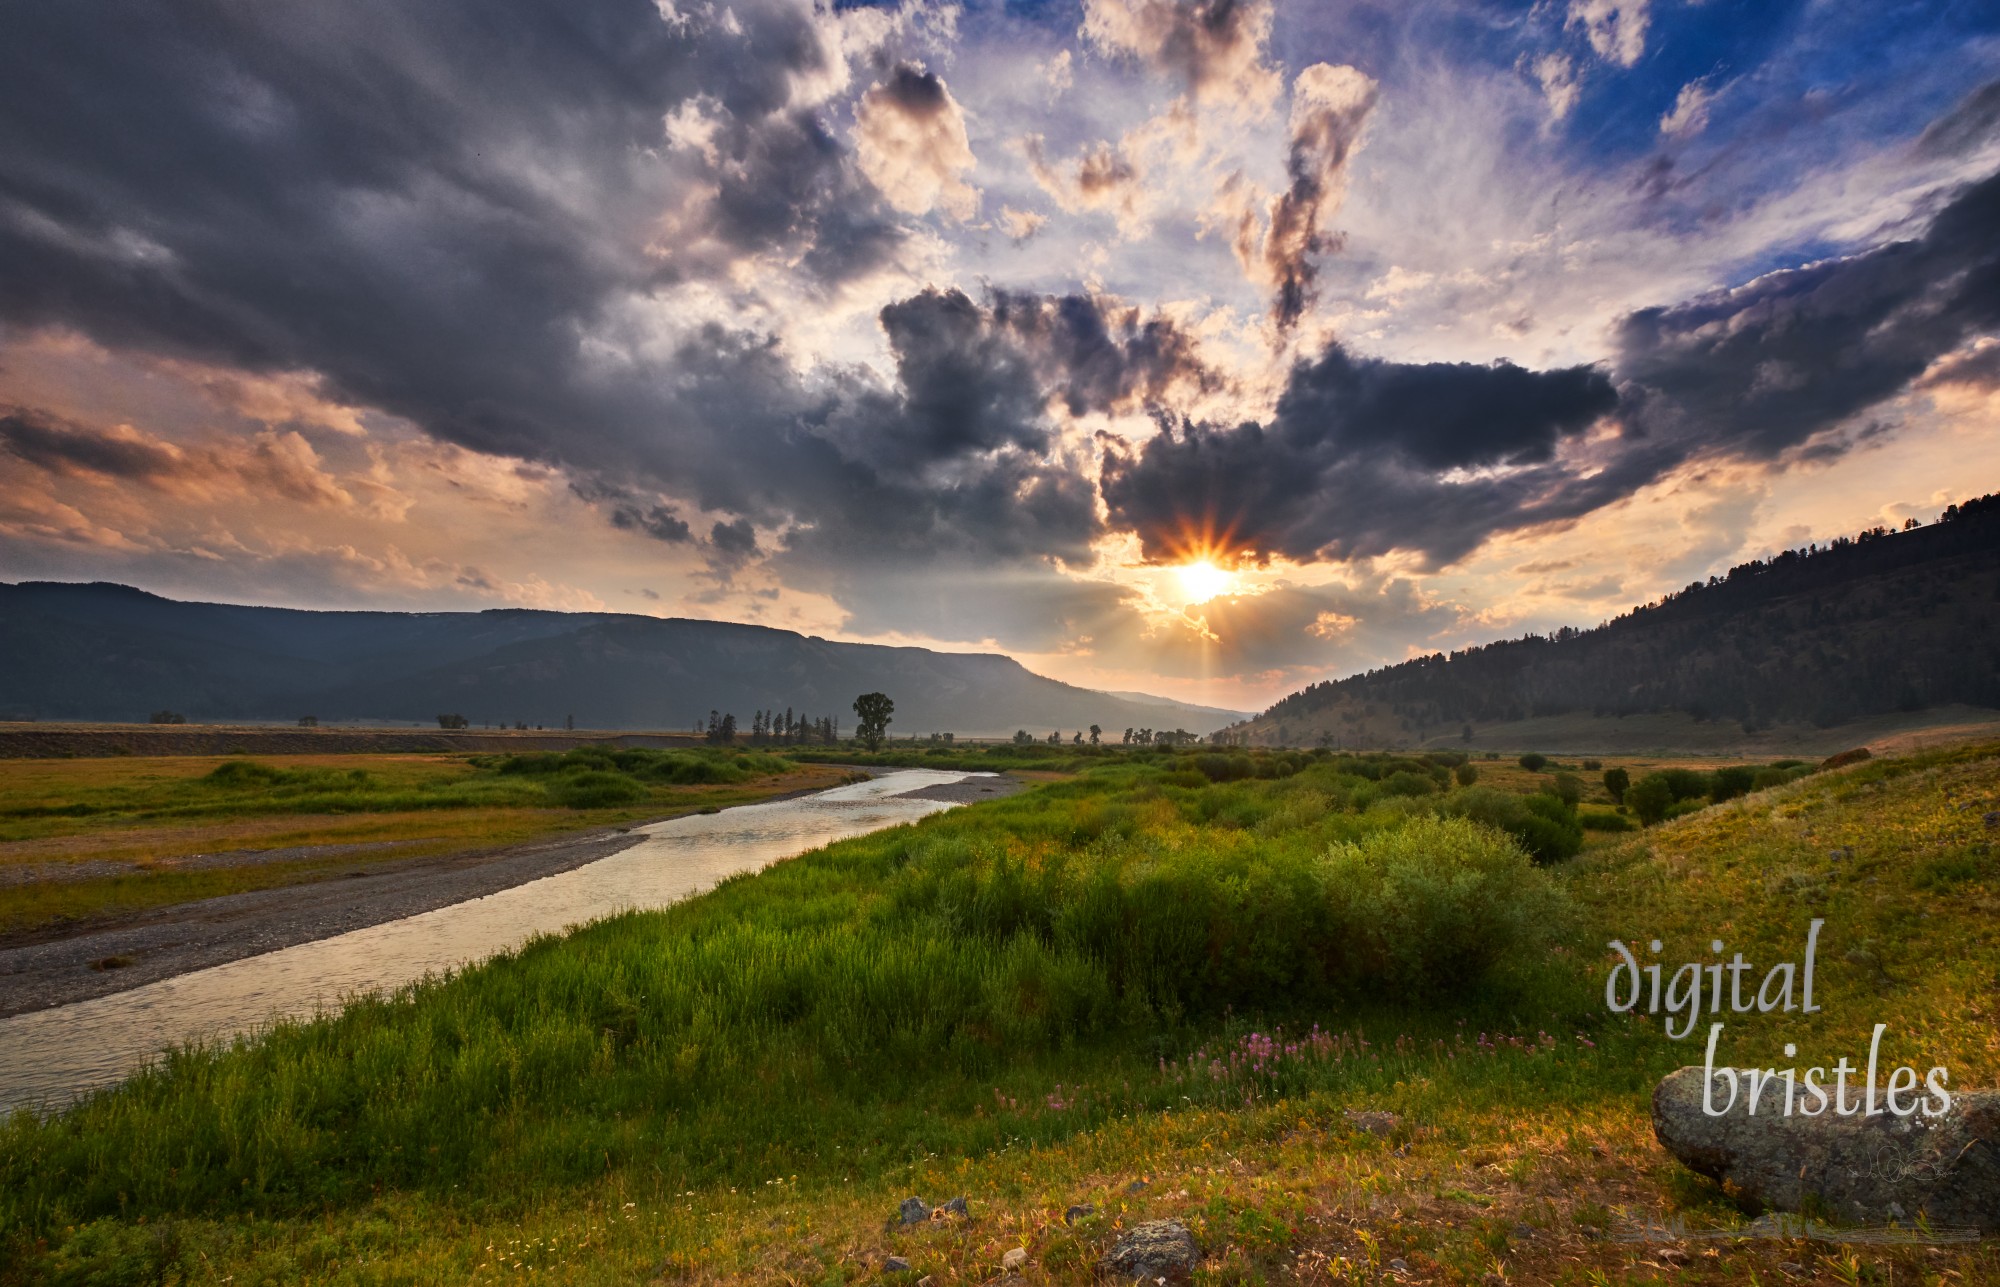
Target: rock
(1865, 1169)
(1136, 1186)
(1156, 1249)
(1014, 1259)
(1078, 1212)
(1846, 758)
(913, 1211)
(1992, 819)
(1399, 1266)
(955, 1207)
(895, 1265)
(1375, 1123)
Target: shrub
(1466, 774)
(1728, 783)
(1615, 782)
(1686, 784)
(1217, 767)
(1568, 788)
(1650, 798)
(596, 789)
(1599, 820)
(1534, 761)
(1682, 808)
(1592, 766)
(1540, 824)
(1406, 783)
(1430, 907)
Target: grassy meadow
(1159, 984)
(86, 838)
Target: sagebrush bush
(1429, 908)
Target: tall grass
(1110, 915)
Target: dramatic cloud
(1764, 368)
(1329, 107)
(383, 295)
(1101, 177)
(1362, 457)
(272, 463)
(1365, 456)
(1213, 49)
(910, 141)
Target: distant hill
(110, 652)
(1880, 624)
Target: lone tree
(871, 715)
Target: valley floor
(742, 1089)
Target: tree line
(1863, 625)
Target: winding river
(49, 1056)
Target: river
(49, 1056)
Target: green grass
(144, 817)
(238, 788)
(1133, 973)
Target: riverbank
(63, 964)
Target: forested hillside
(1879, 622)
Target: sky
(1207, 348)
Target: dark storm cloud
(1351, 464)
(1103, 356)
(1758, 371)
(439, 208)
(657, 521)
(1363, 456)
(735, 539)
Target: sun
(1202, 581)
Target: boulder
(895, 1265)
(1865, 1169)
(955, 1207)
(1014, 1259)
(1156, 1249)
(913, 1211)
(1081, 1211)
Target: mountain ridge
(100, 650)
